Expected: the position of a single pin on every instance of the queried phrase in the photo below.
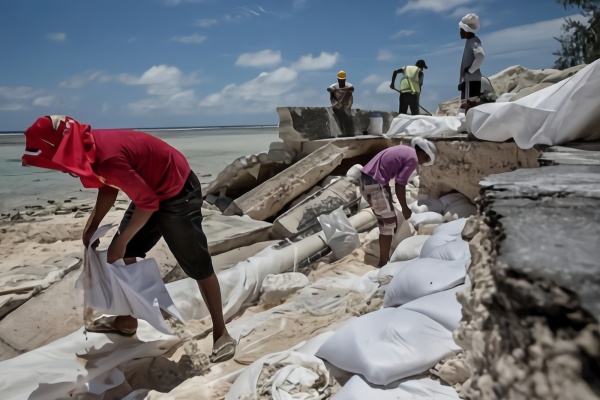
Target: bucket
(375, 125)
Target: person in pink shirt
(397, 163)
(166, 201)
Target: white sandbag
(117, 289)
(409, 248)
(442, 307)
(406, 389)
(455, 250)
(340, 235)
(277, 286)
(451, 228)
(433, 205)
(388, 344)
(423, 276)
(416, 208)
(428, 217)
(404, 230)
(389, 270)
(355, 172)
(425, 126)
(435, 241)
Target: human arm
(106, 199)
(479, 56)
(116, 250)
(401, 195)
(396, 72)
(421, 78)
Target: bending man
(398, 163)
(166, 202)
(410, 87)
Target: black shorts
(470, 89)
(179, 221)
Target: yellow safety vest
(410, 81)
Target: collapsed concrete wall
(530, 322)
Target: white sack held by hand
(136, 289)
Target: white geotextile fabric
(409, 248)
(136, 289)
(423, 276)
(59, 369)
(435, 241)
(425, 126)
(406, 389)
(455, 250)
(387, 272)
(452, 228)
(388, 344)
(277, 286)
(563, 112)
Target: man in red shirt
(166, 202)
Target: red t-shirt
(147, 169)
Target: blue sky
(158, 63)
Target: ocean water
(208, 151)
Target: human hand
(392, 86)
(407, 213)
(116, 250)
(466, 71)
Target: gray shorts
(179, 221)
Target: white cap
(426, 146)
(469, 23)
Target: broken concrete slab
(298, 124)
(243, 174)
(270, 197)
(340, 192)
(226, 233)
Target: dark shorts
(470, 90)
(179, 221)
(409, 100)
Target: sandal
(106, 327)
(223, 350)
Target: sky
(179, 63)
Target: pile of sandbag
(413, 330)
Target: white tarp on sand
(560, 113)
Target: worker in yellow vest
(410, 86)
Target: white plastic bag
(340, 235)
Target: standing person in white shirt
(341, 97)
(473, 56)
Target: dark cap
(421, 64)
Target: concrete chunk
(270, 197)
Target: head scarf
(469, 23)
(62, 144)
(427, 147)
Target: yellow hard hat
(341, 75)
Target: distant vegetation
(580, 43)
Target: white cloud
(373, 78)
(298, 4)
(80, 80)
(384, 55)
(438, 6)
(537, 37)
(384, 88)
(264, 58)
(402, 33)
(191, 39)
(323, 61)
(19, 93)
(172, 3)
(261, 94)
(165, 88)
(44, 101)
(205, 22)
(57, 37)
